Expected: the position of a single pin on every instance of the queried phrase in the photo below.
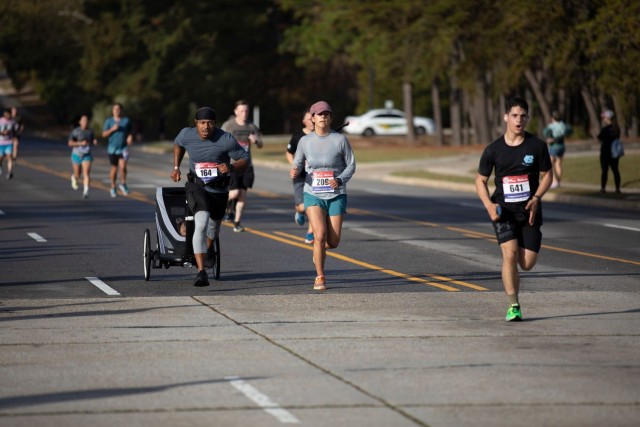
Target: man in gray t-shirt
(247, 134)
(210, 153)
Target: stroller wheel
(215, 245)
(147, 254)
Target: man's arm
(178, 155)
(546, 178)
(240, 166)
(482, 188)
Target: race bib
(516, 188)
(84, 149)
(320, 182)
(206, 171)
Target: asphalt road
(410, 331)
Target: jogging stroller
(174, 231)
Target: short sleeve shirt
(293, 146)
(241, 132)
(6, 125)
(79, 134)
(220, 147)
(118, 139)
(514, 167)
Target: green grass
(370, 150)
(578, 169)
(586, 170)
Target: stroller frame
(174, 247)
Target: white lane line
(102, 286)
(37, 237)
(622, 227)
(471, 205)
(263, 401)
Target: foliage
(163, 58)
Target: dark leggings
(605, 163)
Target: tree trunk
(633, 126)
(455, 114)
(468, 118)
(407, 96)
(437, 114)
(594, 122)
(536, 87)
(622, 123)
(479, 118)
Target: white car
(387, 121)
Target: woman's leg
(616, 172)
(317, 218)
(604, 166)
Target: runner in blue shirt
(118, 129)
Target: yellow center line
(469, 233)
(457, 282)
(356, 262)
(94, 184)
(491, 237)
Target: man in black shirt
(522, 176)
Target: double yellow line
(434, 280)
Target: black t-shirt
(517, 169)
(293, 146)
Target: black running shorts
(514, 224)
(200, 199)
(242, 181)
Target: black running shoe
(201, 279)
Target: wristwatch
(339, 181)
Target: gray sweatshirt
(325, 157)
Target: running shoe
(10, 176)
(228, 218)
(201, 279)
(319, 284)
(514, 314)
(113, 192)
(238, 228)
(124, 189)
(309, 238)
(74, 182)
(299, 218)
(85, 194)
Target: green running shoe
(514, 314)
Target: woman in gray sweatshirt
(328, 160)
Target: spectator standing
(609, 133)
(247, 134)
(117, 129)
